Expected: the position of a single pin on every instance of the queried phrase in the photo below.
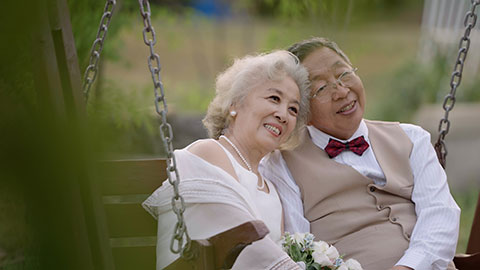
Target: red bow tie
(357, 146)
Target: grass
(467, 201)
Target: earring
(233, 113)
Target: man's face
(338, 107)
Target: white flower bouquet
(315, 255)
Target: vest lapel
(389, 142)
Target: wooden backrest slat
(148, 241)
(129, 220)
(134, 258)
(125, 199)
(124, 185)
(125, 177)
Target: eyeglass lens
(345, 79)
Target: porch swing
(132, 245)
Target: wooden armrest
(220, 251)
(467, 261)
(229, 244)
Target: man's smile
(348, 108)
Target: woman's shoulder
(212, 152)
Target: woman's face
(267, 115)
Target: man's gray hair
(305, 47)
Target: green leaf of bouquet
(290, 252)
(304, 257)
(295, 251)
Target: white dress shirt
(434, 238)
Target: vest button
(393, 219)
(380, 207)
(372, 189)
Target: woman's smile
(275, 129)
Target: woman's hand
(302, 265)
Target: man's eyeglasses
(346, 79)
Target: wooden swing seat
(125, 184)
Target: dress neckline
(233, 160)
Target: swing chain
(91, 72)
(178, 203)
(449, 101)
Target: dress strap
(230, 156)
(240, 170)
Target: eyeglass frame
(337, 81)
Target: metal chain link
(91, 72)
(449, 101)
(178, 203)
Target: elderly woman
(260, 104)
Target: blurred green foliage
(467, 201)
(471, 91)
(116, 116)
(331, 11)
(18, 100)
(417, 83)
(85, 17)
(409, 87)
(14, 234)
(16, 78)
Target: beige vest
(364, 221)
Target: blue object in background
(212, 8)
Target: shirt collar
(320, 138)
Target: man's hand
(401, 267)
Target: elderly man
(373, 189)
